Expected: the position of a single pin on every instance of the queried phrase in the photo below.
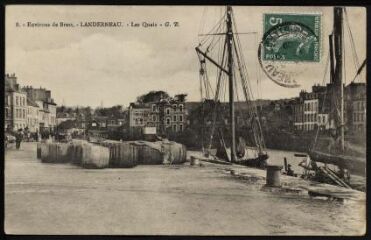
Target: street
(167, 200)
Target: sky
(90, 66)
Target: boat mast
(230, 78)
(338, 38)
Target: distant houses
(313, 109)
(160, 114)
(28, 108)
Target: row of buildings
(28, 107)
(163, 115)
(316, 109)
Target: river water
(45, 198)
(276, 158)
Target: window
(181, 118)
(141, 121)
(181, 107)
(174, 106)
(154, 118)
(181, 127)
(174, 118)
(16, 100)
(167, 121)
(167, 111)
(153, 107)
(174, 127)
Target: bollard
(273, 175)
(194, 161)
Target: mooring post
(273, 176)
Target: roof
(140, 105)
(31, 103)
(45, 110)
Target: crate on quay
(148, 153)
(54, 152)
(123, 154)
(94, 156)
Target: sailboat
(221, 48)
(339, 157)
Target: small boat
(356, 165)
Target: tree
(181, 97)
(152, 96)
(115, 111)
(66, 125)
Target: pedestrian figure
(290, 172)
(18, 139)
(36, 136)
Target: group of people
(21, 135)
(18, 138)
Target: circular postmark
(284, 51)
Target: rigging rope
(247, 89)
(354, 51)
(324, 99)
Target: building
(63, 117)
(48, 108)
(172, 116)
(298, 114)
(310, 114)
(356, 106)
(315, 109)
(114, 123)
(139, 114)
(33, 116)
(311, 110)
(15, 104)
(166, 115)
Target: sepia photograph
(185, 120)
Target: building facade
(48, 108)
(166, 115)
(33, 116)
(315, 109)
(356, 94)
(138, 115)
(15, 104)
(311, 110)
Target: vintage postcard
(185, 120)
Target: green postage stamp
(292, 37)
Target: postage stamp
(292, 37)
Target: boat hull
(355, 165)
(251, 157)
(260, 161)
